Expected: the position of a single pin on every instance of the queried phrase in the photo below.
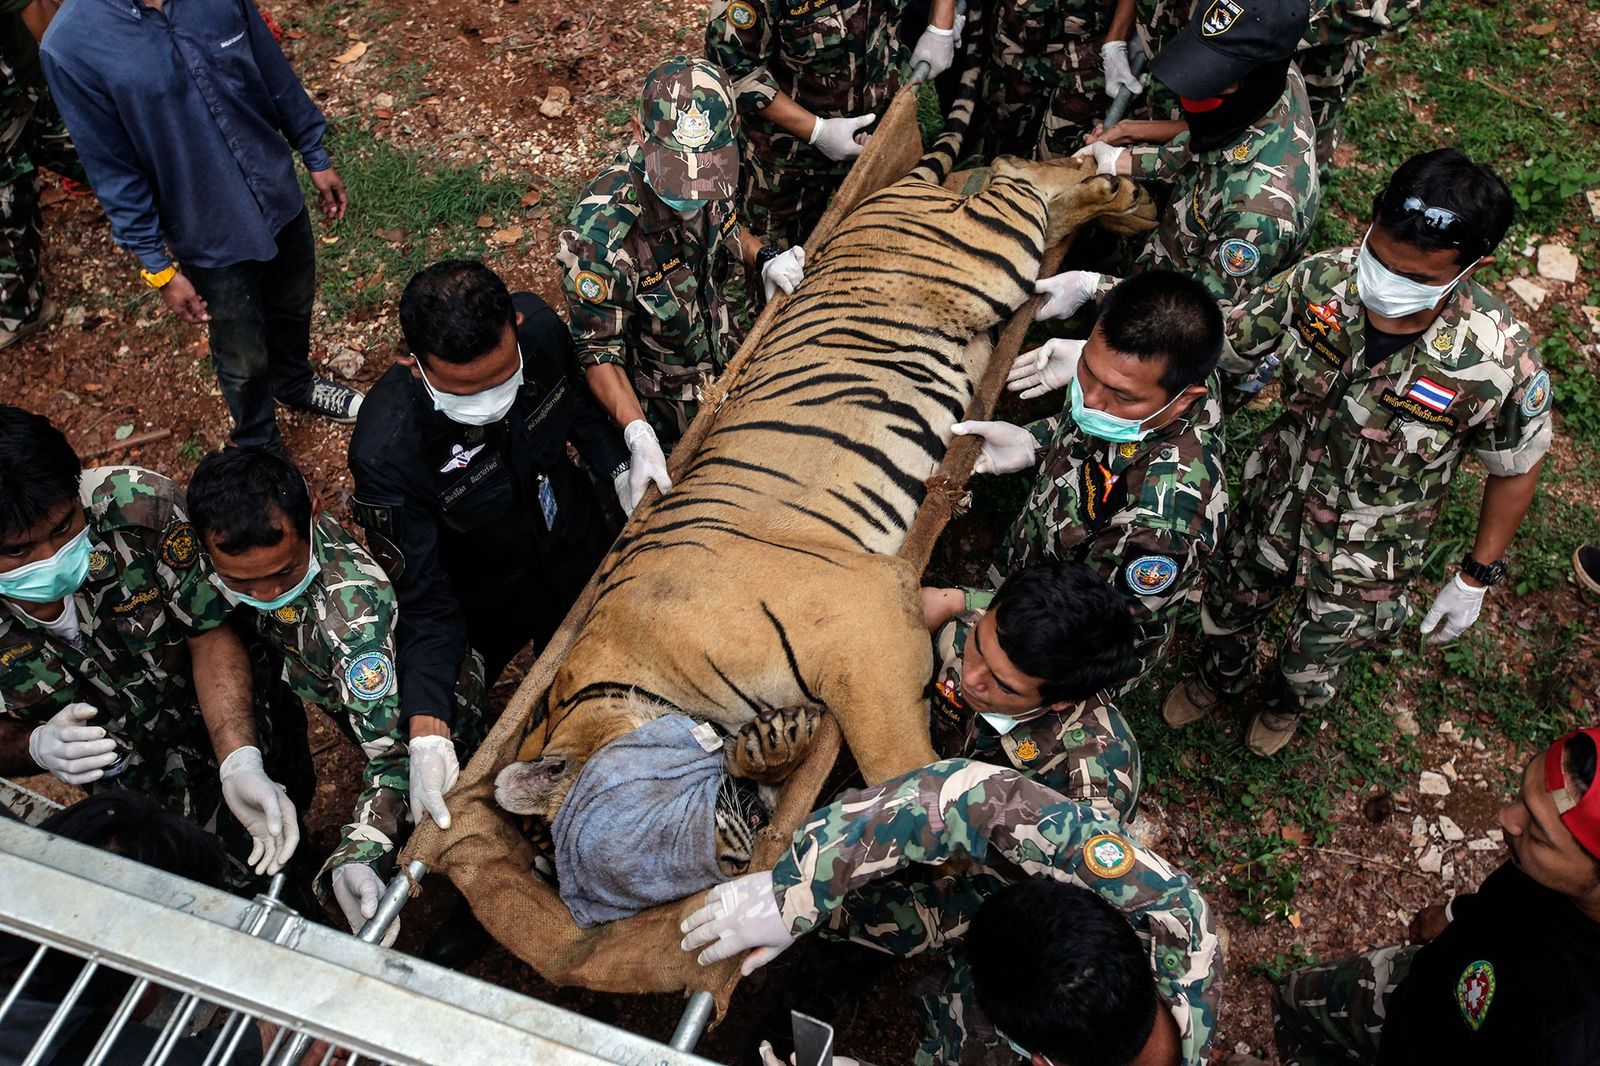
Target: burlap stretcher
(485, 852)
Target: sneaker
(1586, 567)
(1270, 731)
(1190, 701)
(47, 312)
(331, 400)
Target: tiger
(768, 576)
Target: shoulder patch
(180, 548)
(1475, 991)
(1536, 395)
(1028, 751)
(741, 14)
(1108, 855)
(370, 675)
(99, 563)
(1151, 575)
(1241, 152)
(1238, 256)
(288, 614)
(1445, 341)
(590, 286)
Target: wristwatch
(768, 253)
(1484, 573)
(160, 278)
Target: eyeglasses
(1436, 218)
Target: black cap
(1225, 39)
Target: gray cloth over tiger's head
(639, 826)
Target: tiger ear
(534, 787)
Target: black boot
(460, 941)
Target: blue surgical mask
(685, 208)
(280, 601)
(52, 579)
(1000, 723)
(1107, 426)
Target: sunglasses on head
(1440, 219)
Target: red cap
(1580, 816)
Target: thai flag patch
(1431, 394)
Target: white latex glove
(1105, 156)
(358, 888)
(74, 752)
(770, 1057)
(836, 138)
(1457, 605)
(784, 271)
(433, 771)
(739, 915)
(1045, 369)
(1064, 293)
(1006, 448)
(937, 48)
(262, 807)
(619, 485)
(645, 462)
(1119, 75)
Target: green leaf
(124, 431)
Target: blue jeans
(261, 331)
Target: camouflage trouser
(32, 135)
(1332, 1013)
(1325, 631)
(669, 417)
(1041, 109)
(1074, 108)
(1331, 73)
(785, 193)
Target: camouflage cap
(686, 112)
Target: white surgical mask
(480, 408)
(1385, 293)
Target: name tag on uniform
(547, 502)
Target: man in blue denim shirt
(186, 115)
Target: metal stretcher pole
(693, 1023)
(1119, 107)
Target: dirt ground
(470, 83)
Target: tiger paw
(771, 747)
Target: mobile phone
(813, 1040)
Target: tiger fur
(768, 576)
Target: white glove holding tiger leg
(1006, 448)
(357, 888)
(1107, 157)
(1064, 293)
(646, 463)
(838, 139)
(1457, 605)
(434, 769)
(739, 915)
(1045, 369)
(784, 271)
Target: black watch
(768, 253)
(1484, 573)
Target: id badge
(547, 502)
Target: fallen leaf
(507, 236)
(52, 195)
(93, 386)
(493, 40)
(1294, 919)
(531, 198)
(351, 54)
(330, 240)
(124, 431)
(1294, 835)
(485, 222)
(294, 35)
(382, 112)
(393, 236)
(1542, 29)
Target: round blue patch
(370, 675)
(1238, 256)
(1150, 575)
(1536, 397)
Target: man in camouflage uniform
(1048, 55)
(327, 611)
(1244, 174)
(807, 77)
(1333, 56)
(1142, 499)
(32, 135)
(999, 828)
(1026, 690)
(108, 608)
(1343, 492)
(648, 253)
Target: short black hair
(38, 470)
(1060, 971)
(133, 825)
(235, 495)
(1162, 314)
(1445, 178)
(1064, 624)
(455, 311)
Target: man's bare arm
(222, 686)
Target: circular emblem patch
(99, 563)
(1475, 991)
(1107, 855)
(370, 675)
(742, 15)
(1150, 575)
(1027, 751)
(590, 286)
(288, 614)
(1536, 397)
(1238, 257)
(181, 547)
(1241, 152)
(693, 127)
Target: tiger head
(1074, 195)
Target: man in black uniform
(462, 481)
(1507, 974)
